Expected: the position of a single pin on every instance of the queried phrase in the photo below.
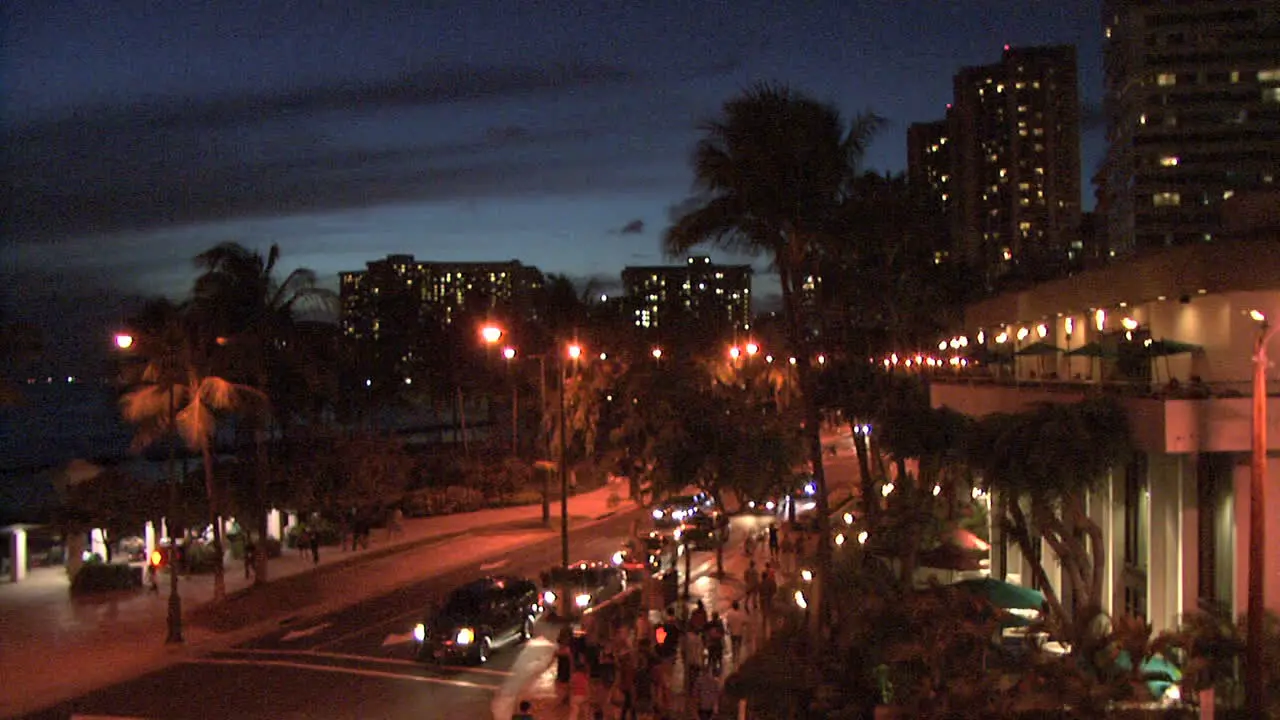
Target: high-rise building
(1005, 163)
(713, 298)
(391, 303)
(1193, 116)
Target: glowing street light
(657, 353)
(575, 352)
(752, 348)
(124, 341)
(491, 334)
(735, 352)
(508, 352)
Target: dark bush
(200, 558)
(100, 577)
(328, 532)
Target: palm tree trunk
(868, 489)
(813, 437)
(215, 517)
(174, 612)
(260, 487)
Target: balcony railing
(1198, 390)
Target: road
(354, 663)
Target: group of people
(626, 670)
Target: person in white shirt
(735, 621)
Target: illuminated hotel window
(1272, 75)
(1166, 79)
(1169, 161)
(1166, 199)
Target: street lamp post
(509, 353)
(574, 352)
(1254, 680)
(173, 620)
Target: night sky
(557, 133)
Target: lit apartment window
(1107, 33)
(1228, 194)
(1166, 199)
(1000, 88)
(1006, 254)
(1272, 75)
(1166, 79)
(1271, 94)
(1142, 119)
(1003, 172)
(1169, 161)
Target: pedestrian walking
(768, 588)
(707, 693)
(713, 638)
(698, 618)
(751, 585)
(788, 553)
(302, 541)
(773, 542)
(250, 554)
(692, 651)
(315, 548)
(668, 634)
(735, 622)
(749, 545)
(579, 689)
(152, 585)
(564, 663)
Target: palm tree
(772, 174)
(241, 297)
(1042, 464)
(175, 395)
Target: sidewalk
(53, 648)
(717, 594)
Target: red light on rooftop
(1006, 48)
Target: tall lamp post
(173, 621)
(573, 352)
(1254, 681)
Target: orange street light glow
(491, 334)
(575, 352)
(508, 353)
(124, 341)
(752, 348)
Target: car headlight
(618, 557)
(465, 636)
(549, 598)
(657, 514)
(770, 505)
(582, 600)
(420, 632)
(752, 504)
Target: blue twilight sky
(139, 133)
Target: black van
(477, 618)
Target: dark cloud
(635, 227)
(169, 163)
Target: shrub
(200, 558)
(100, 577)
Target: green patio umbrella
(1003, 595)
(1165, 348)
(1040, 348)
(1000, 354)
(1092, 350)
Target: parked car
(570, 591)
(703, 532)
(477, 618)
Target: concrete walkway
(53, 647)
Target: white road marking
(299, 634)
(493, 565)
(343, 671)
(398, 639)
(365, 658)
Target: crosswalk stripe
(344, 671)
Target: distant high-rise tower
(699, 295)
(930, 170)
(1193, 116)
(1011, 148)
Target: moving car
(703, 532)
(670, 513)
(568, 592)
(478, 617)
(650, 553)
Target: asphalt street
(353, 663)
